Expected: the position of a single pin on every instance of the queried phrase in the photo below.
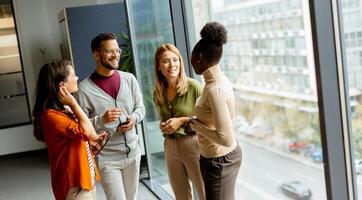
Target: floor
(27, 176)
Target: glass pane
(152, 26)
(352, 39)
(14, 84)
(16, 110)
(14, 105)
(269, 61)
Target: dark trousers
(219, 175)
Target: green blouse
(181, 106)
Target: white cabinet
(14, 104)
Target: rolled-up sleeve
(63, 125)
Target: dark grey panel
(84, 23)
(329, 100)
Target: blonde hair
(160, 80)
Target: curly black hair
(213, 36)
(214, 32)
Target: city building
(295, 65)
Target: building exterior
(269, 51)
(352, 26)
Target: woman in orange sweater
(66, 130)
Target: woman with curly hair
(220, 158)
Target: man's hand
(111, 115)
(129, 124)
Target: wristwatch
(192, 118)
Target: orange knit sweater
(67, 151)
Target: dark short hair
(96, 42)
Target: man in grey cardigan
(113, 101)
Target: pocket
(104, 165)
(166, 147)
(211, 167)
(216, 167)
(105, 170)
(191, 147)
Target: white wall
(38, 28)
(18, 139)
(33, 34)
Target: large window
(351, 35)
(13, 99)
(269, 60)
(282, 61)
(151, 26)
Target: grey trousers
(120, 178)
(219, 175)
(182, 158)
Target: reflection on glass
(269, 60)
(352, 40)
(13, 101)
(152, 27)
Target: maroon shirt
(110, 84)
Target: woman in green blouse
(175, 96)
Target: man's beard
(109, 66)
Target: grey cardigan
(94, 101)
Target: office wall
(38, 28)
(84, 23)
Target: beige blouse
(215, 111)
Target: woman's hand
(98, 144)
(188, 125)
(171, 125)
(65, 97)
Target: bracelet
(191, 118)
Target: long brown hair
(160, 79)
(46, 93)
